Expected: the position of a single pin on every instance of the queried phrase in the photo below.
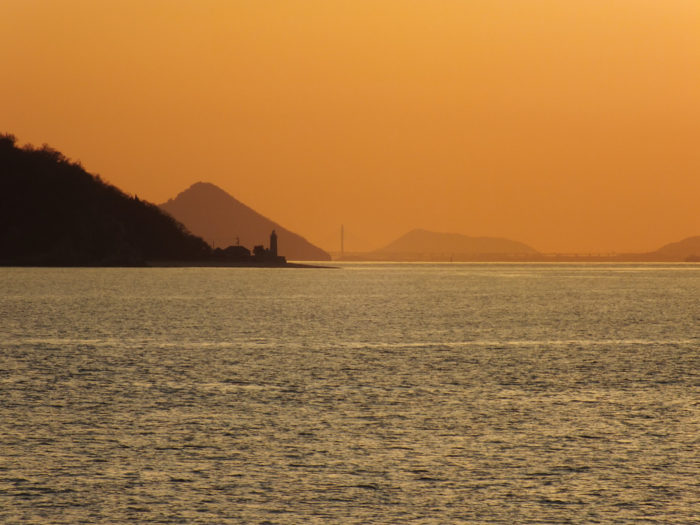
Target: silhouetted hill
(54, 213)
(423, 245)
(220, 219)
(687, 249)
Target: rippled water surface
(373, 393)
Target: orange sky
(573, 126)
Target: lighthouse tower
(273, 244)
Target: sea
(368, 393)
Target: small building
(237, 253)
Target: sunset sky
(570, 125)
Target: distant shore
(171, 264)
(498, 258)
(232, 264)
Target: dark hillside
(54, 213)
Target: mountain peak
(220, 219)
(203, 190)
(204, 186)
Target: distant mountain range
(54, 213)
(211, 213)
(423, 245)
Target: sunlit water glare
(374, 393)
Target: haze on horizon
(569, 126)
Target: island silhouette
(54, 213)
(687, 250)
(424, 245)
(211, 213)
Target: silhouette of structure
(233, 253)
(269, 255)
(273, 244)
(260, 254)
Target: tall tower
(273, 244)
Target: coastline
(231, 264)
(544, 258)
(172, 264)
